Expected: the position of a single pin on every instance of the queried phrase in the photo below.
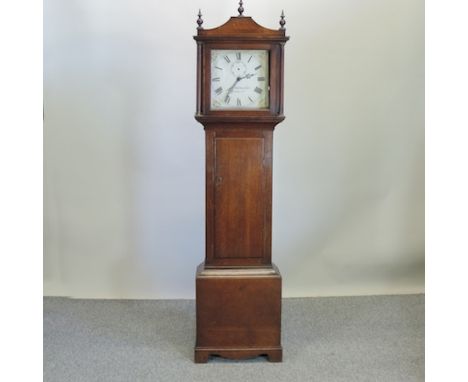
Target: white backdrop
(124, 157)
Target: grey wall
(124, 157)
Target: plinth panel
(238, 313)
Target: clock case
(238, 289)
(240, 32)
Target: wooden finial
(282, 21)
(241, 8)
(200, 20)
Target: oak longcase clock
(239, 103)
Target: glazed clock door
(239, 79)
(241, 184)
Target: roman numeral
(238, 55)
(217, 67)
(258, 67)
(239, 102)
(227, 59)
(249, 59)
(219, 90)
(217, 79)
(261, 78)
(251, 100)
(258, 90)
(227, 99)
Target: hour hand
(248, 76)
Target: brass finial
(200, 20)
(282, 20)
(241, 8)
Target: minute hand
(233, 85)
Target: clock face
(239, 79)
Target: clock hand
(248, 76)
(236, 81)
(232, 87)
(234, 84)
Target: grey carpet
(378, 338)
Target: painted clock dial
(239, 79)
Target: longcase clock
(239, 103)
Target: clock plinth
(239, 103)
(238, 313)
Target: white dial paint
(239, 79)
